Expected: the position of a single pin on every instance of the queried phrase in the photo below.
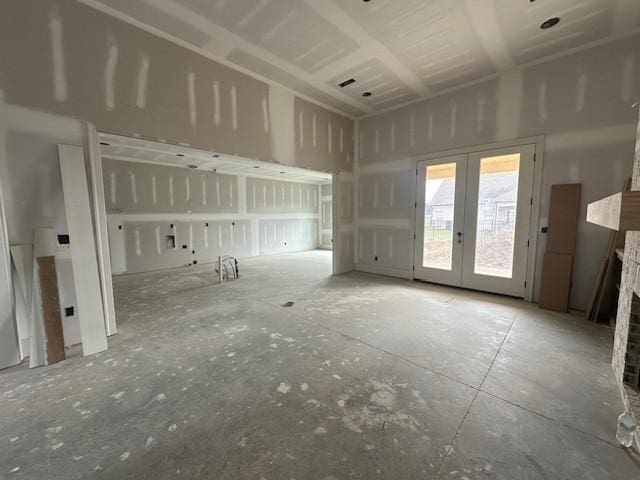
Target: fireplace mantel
(616, 212)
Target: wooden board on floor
(555, 286)
(51, 309)
(564, 211)
(597, 296)
(83, 249)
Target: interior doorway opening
(169, 206)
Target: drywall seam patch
(265, 115)
(134, 189)
(480, 118)
(412, 131)
(542, 101)
(136, 235)
(314, 130)
(109, 76)
(301, 129)
(244, 21)
(581, 90)
(216, 103)
(393, 136)
(452, 125)
(112, 185)
(627, 77)
(158, 243)
(270, 34)
(60, 92)
(191, 88)
(154, 190)
(143, 77)
(234, 108)
(430, 126)
(171, 196)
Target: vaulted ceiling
(399, 50)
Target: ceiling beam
(484, 19)
(371, 47)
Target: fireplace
(631, 374)
(626, 351)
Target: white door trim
(539, 142)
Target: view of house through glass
(497, 206)
(439, 200)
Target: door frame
(534, 220)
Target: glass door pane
(496, 218)
(439, 204)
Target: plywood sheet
(83, 249)
(50, 302)
(556, 281)
(564, 210)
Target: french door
(472, 219)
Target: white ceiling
(400, 50)
(139, 150)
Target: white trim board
(100, 219)
(10, 350)
(83, 249)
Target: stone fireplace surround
(626, 350)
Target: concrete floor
(364, 377)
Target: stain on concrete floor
(363, 377)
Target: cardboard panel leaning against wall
(582, 103)
(164, 217)
(80, 62)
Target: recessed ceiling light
(282, 173)
(192, 166)
(179, 154)
(550, 22)
(215, 155)
(256, 166)
(366, 94)
(104, 143)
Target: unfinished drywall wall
(581, 103)
(79, 62)
(163, 216)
